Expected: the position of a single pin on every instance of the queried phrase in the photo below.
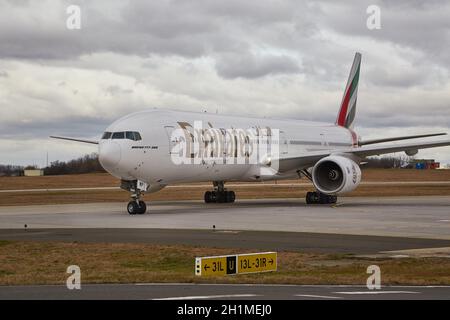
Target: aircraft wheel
(332, 199)
(320, 198)
(221, 197)
(132, 207)
(142, 207)
(231, 196)
(208, 197)
(309, 198)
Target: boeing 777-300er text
(151, 149)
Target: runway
(223, 292)
(411, 217)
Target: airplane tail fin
(347, 111)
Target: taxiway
(413, 217)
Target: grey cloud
(252, 66)
(405, 78)
(399, 121)
(419, 25)
(130, 55)
(189, 29)
(115, 90)
(76, 126)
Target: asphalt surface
(258, 240)
(222, 292)
(354, 226)
(413, 217)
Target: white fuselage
(150, 159)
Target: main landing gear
(317, 197)
(219, 194)
(136, 205)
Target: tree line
(86, 164)
(388, 162)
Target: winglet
(347, 110)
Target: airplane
(151, 149)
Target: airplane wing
(308, 160)
(366, 151)
(75, 139)
(366, 142)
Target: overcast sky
(267, 58)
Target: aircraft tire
(208, 197)
(232, 196)
(221, 197)
(309, 198)
(132, 207)
(142, 207)
(332, 199)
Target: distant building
(424, 164)
(33, 172)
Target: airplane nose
(109, 155)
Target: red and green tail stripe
(347, 111)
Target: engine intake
(335, 175)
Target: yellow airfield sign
(235, 264)
(257, 262)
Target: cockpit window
(130, 135)
(133, 135)
(106, 135)
(118, 135)
(137, 136)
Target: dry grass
(106, 180)
(405, 175)
(174, 193)
(46, 263)
(63, 181)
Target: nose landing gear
(219, 194)
(136, 205)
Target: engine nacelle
(335, 175)
(411, 152)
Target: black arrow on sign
(271, 261)
(206, 267)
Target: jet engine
(411, 152)
(334, 175)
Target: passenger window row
(130, 135)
